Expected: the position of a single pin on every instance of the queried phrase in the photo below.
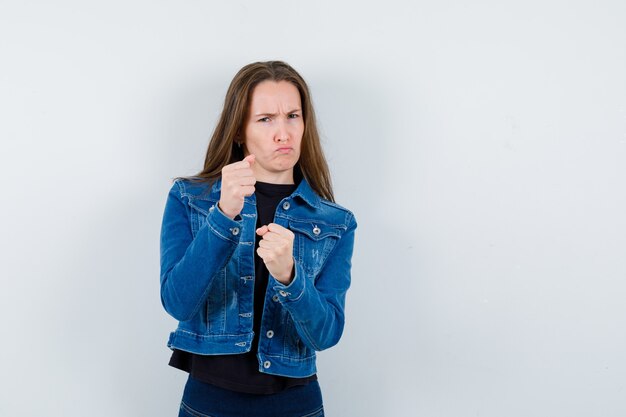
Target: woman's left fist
(276, 250)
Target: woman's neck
(283, 177)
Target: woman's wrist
(232, 217)
(289, 277)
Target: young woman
(256, 256)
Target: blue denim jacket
(207, 277)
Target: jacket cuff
(295, 290)
(224, 226)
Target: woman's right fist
(237, 183)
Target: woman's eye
(294, 115)
(264, 119)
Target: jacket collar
(304, 190)
(306, 193)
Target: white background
(481, 145)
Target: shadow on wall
(356, 115)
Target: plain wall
(481, 145)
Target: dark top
(241, 372)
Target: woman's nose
(282, 133)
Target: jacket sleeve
(317, 305)
(188, 264)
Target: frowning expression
(273, 131)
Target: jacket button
(234, 231)
(283, 293)
(286, 205)
(316, 230)
(270, 334)
(212, 208)
(275, 297)
(267, 364)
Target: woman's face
(273, 131)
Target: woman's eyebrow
(274, 114)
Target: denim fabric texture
(207, 277)
(206, 400)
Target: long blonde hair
(223, 150)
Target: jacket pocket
(313, 242)
(293, 347)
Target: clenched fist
(237, 183)
(276, 250)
